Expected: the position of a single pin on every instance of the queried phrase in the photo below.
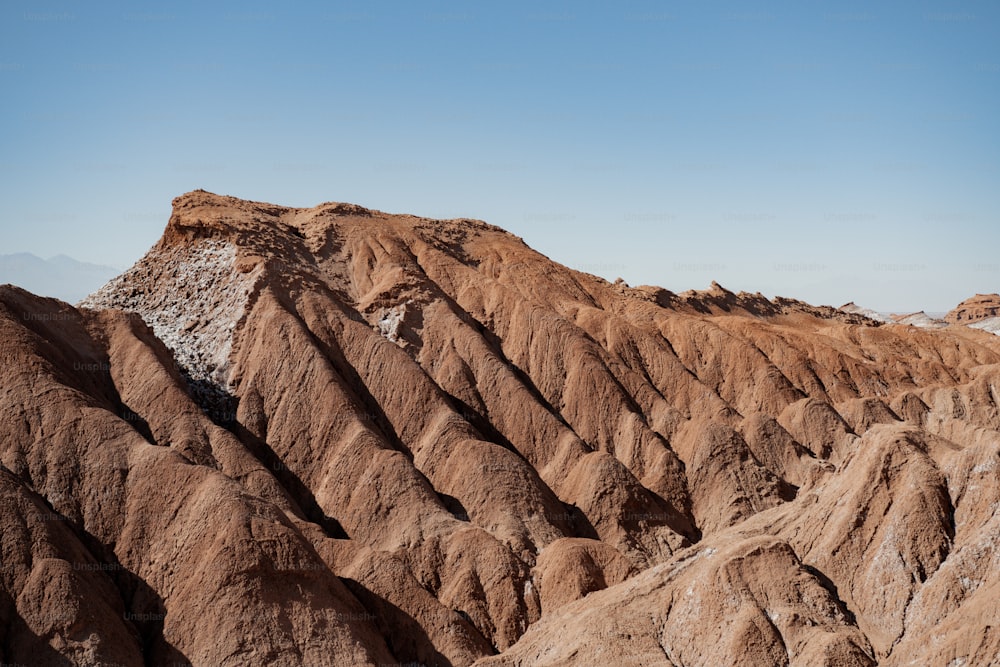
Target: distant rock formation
(975, 309)
(61, 277)
(866, 312)
(920, 319)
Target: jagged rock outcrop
(974, 309)
(854, 308)
(338, 436)
(979, 312)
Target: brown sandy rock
(339, 436)
(974, 309)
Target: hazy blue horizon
(830, 152)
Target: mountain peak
(219, 252)
(716, 288)
(203, 215)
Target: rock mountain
(334, 436)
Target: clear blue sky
(829, 151)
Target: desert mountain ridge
(339, 436)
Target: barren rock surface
(920, 319)
(867, 312)
(335, 436)
(975, 309)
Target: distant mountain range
(61, 277)
(979, 312)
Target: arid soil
(334, 436)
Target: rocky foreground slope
(333, 436)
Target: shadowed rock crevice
(145, 609)
(216, 402)
(482, 424)
(831, 588)
(407, 640)
(295, 487)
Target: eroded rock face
(338, 436)
(979, 312)
(974, 309)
